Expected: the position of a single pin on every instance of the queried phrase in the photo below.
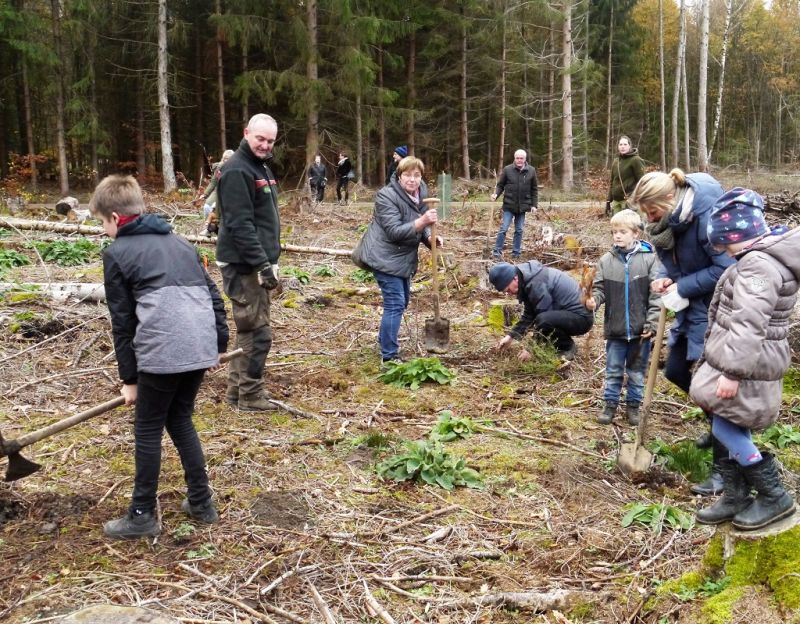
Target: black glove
(608, 208)
(267, 278)
(212, 228)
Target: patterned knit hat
(401, 151)
(501, 275)
(737, 216)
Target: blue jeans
(624, 356)
(519, 224)
(396, 293)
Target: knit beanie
(501, 275)
(737, 216)
(401, 151)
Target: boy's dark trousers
(167, 401)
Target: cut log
(89, 230)
(61, 291)
(560, 599)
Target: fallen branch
(423, 518)
(375, 608)
(321, 605)
(525, 436)
(533, 601)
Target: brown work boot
(258, 402)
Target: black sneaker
(135, 525)
(205, 513)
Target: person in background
(169, 327)
(622, 282)
(399, 154)
(209, 195)
(400, 223)
(344, 173)
(626, 170)
(677, 207)
(248, 250)
(520, 190)
(552, 305)
(317, 179)
(739, 380)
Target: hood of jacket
(630, 153)
(783, 249)
(528, 271)
(145, 224)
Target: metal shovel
(437, 329)
(19, 467)
(634, 457)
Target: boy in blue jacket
(622, 282)
(168, 323)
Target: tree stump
(502, 314)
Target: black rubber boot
(735, 497)
(608, 413)
(772, 502)
(632, 412)
(134, 525)
(713, 485)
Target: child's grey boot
(772, 503)
(134, 525)
(632, 412)
(608, 413)
(713, 485)
(735, 497)
(205, 513)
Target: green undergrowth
(683, 457)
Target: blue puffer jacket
(544, 289)
(693, 264)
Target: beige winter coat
(748, 324)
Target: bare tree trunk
(585, 96)
(464, 110)
(199, 115)
(312, 74)
(359, 138)
(61, 140)
(245, 100)
(223, 141)
(551, 112)
(677, 92)
(141, 158)
(26, 98)
(702, 88)
(412, 91)
(723, 60)
(381, 120)
(567, 166)
(167, 168)
(662, 110)
(503, 54)
(608, 84)
(778, 131)
(757, 131)
(686, 128)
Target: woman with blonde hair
(677, 206)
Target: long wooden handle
(13, 446)
(652, 373)
(435, 276)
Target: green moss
(719, 608)
(713, 561)
(496, 318)
(581, 611)
(791, 384)
(688, 582)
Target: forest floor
(305, 520)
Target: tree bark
(662, 112)
(585, 95)
(412, 92)
(312, 74)
(503, 53)
(567, 175)
(26, 98)
(464, 107)
(223, 141)
(61, 140)
(686, 127)
(608, 84)
(381, 120)
(677, 89)
(167, 168)
(723, 61)
(702, 88)
(359, 137)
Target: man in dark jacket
(400, 152)
(520, 191)
(344, 174)
(248, 249)
(552, 303)
(317, 179)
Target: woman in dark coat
(626, 170)
(400, 223)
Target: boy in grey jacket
(622, 282)
(169, 327)
(740, 375)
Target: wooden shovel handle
(435, 275)
(13, 446)
(652, 374)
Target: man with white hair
(248, 248)
(520, 190)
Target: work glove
(608, 208)
(268, 276)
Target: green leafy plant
(5, 233)
(428, 462)
(448, 428)
(780, 436)
(656, 516)
(183, 531)
(302, 276)
(362, 228)
(707, 589)
(362, 276)
(415, 372)
(67, 253)
(685, 458)
(376, 440)
(10, 258)
(204, 551)
(206, 255)
(693, 413)
(325, 271)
